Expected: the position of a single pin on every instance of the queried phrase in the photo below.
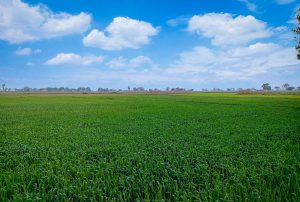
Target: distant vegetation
(264, 87)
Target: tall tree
(297, 31)
(285, 86)
(266, 86)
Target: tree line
(89, 90)
(285, 86)
(264, 87)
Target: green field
(188, 147)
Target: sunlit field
(183, 147)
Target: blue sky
(158, 43)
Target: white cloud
(250, 5)
(121, 62)
(284, 1)
(117, 63)
(178, 21)
(122, 33)
(235, 62)
(21, 22)
(140, 61)
(226, 29)
(27, 51)
(133, 77)
(74, 59)
(24, 51)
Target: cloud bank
(74, 59)
(121, 33)
(21, 22)
(227, 29)
(136, 62)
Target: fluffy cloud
(27, 51)
(226, 29)
(74, 59)
(20, 22)
(122, 33)
(121, 62)
(236, 62)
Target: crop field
(188, 147)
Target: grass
(191, 147)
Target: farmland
(185, 147)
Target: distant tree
(285, 86)
(88, 89)
(217, 89)
(297, 31)
(128, 88)
(49, 89)
(3, 86)
(290, 88)
(298, 88)
(277, 88)
(266, 86)
(167, 89)
(27, 89)
(140, 89)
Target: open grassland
(153, 147)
